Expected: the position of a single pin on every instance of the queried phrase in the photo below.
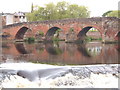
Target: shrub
(55, 39)
(71, 29)
(30, 39)
(41, 33)
(91, 38)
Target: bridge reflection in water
(61, 53)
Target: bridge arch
(21, 32)
(51, 32)
(83, 33)
(107, 30)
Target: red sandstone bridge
(107, 26)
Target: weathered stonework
(107, 26)
(71, 36)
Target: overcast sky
(97, 7)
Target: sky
(96, 7)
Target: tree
(115, 13)
(32, 8)
(105, 14)
(60, 11)
(50, 12)
(75, 11)
(36, 15)
(62, 8)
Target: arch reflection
(53, 48)
(82, 49)
(21, 48)
(63, 53)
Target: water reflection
(20, 48)
(95, 50)
(53, 48)
(83, 51)
(62, 53)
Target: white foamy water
(50, 76)
(67, 81)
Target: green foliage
(30, 39)
(71, 29)
(59, 30)
(115, 13)
(55, 39)
(36, 15)
(58, 51)
(75, 11)
(105, 14)
(61, 10)
(41, 33)
(92, 38)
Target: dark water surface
(61, 53)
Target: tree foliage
(61, 10)
(115, 13)
(105, 14)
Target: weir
(68, 74)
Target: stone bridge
(108, 28)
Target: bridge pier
(106, 39)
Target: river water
(59, 64)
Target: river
(60, 65)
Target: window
(16, 16)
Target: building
(11, 18)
